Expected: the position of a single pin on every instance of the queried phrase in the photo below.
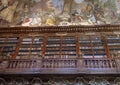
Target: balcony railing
(55, 65)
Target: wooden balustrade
(21, 64)
(100, 63)
(62, 63)
(59, 63)
(46, 64)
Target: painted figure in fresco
(67, 6)
(26, 10)
(8, 13)
(50, 21)
(89, 8)
(76, 17)
(5, 3)
(34, 20)
(92, 19)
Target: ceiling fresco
(59, 12)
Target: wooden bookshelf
(113, 43)
(7, 47)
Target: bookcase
(36, 47)
(30, 47)
(53, 47)
(98, 47)
(7, 46)
(60, 47)
(68, 48)
(85, 46)
(113, 43)
(92, 46)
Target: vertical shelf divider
(43, 49)
(17, 47)
(77, 45)
(90, 38)
(105, 46)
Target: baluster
(94, 64)
(88, 63)
(70, 63)
(10, 64)
(109, 64)
(97, 66)
(67, 64)
(57, 64)
(27, 64)
(73, 63)
(23, 66)
(46, 63)
(113, 64)
(32, 64)
(105, 63)
(20, 64)
(54, 64)
(60, 64)
(14, 63)
(17, 66)
(64, 63)
(49, 63)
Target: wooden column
(91, 44)
(77, 45)
(17, 47)
(4, 44)
(43, 49)
(31, 45)
(61, 37)
(105, 46)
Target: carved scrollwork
(99, 81)
(117, 81)
(36, 81)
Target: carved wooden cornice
(54, 29)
